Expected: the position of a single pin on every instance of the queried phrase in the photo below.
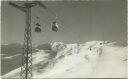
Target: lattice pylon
(26, 69)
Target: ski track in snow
(10, 57)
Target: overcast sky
(79, 21)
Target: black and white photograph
(64, 39)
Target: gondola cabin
(38, 28)
(54, 26)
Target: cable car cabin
(38, 28)
(54, 26)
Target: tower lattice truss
(26, 69)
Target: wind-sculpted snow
(95, 59)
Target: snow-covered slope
(95, 59)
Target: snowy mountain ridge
(65, 49)
(92, 59)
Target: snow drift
(95, 59)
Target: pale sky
(79, 22)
